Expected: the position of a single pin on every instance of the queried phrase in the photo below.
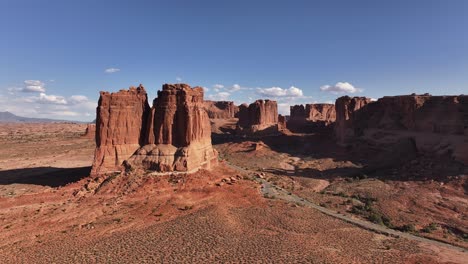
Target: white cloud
(280, 92)
(51, 99)
(179, 79)
(221, 96)
(111, 70)
(33, 86)
(77, 99)
(235, 87)
(205, 89)
(340, 87)
(218, 86)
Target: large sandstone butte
(173, 135)
(120, 127)
(260, 117)
(438, 124)
(311, 117)
(221, 109)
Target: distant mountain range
(7, 117)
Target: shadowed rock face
(174, 135)
(221, 109)
(281, 122)
(311, 118)
(438, 124)
(346, 110)
(120, 127)
(258, 117)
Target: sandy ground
(50, 212)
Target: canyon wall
(221, 109)
(346, 112)
(438, 124)
(173, 135)
(311, 117)
(260, 117)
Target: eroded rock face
(346, 113)
(281, 122)
(90, 131)
(120, 127)
(173, 135)
(179, 134)
(221, 109)
(321, 112)
(311, 117)
(258, 117)
(438, 124)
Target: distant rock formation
(90, 131)
(436, 123)
(281, 122)
(258, 118)
(221, 109)
(346, 110)
(311, 118)
(321, 112)
(173, 135)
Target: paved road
(271, 190)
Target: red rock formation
(346, 108)
(311, 118)
(221, 109)
(120, 127)
(281, 122)
(90, 131)
(259, 117)
(430, 120)
(179, 135)
(321, 112)
(297, 113)
(174, 135)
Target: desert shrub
(407, 228)
(430, 228)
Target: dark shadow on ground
(45, 176)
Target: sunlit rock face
(173, 135)
(260, 117)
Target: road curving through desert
(270, 190)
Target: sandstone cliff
(120, 127)
(437, 123)
(173, 135)
(90, 131)
(311, 118)
(221, 109)
(260, 117)
(346, 112)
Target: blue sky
(54, 54)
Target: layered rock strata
(438, 124)
(173, 135)
(260, 117)
(221, 109)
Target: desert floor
(52, 212)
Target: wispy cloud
(33, 86)
(221, 96)
(340, 87)
(111, 70)
(178, 79)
